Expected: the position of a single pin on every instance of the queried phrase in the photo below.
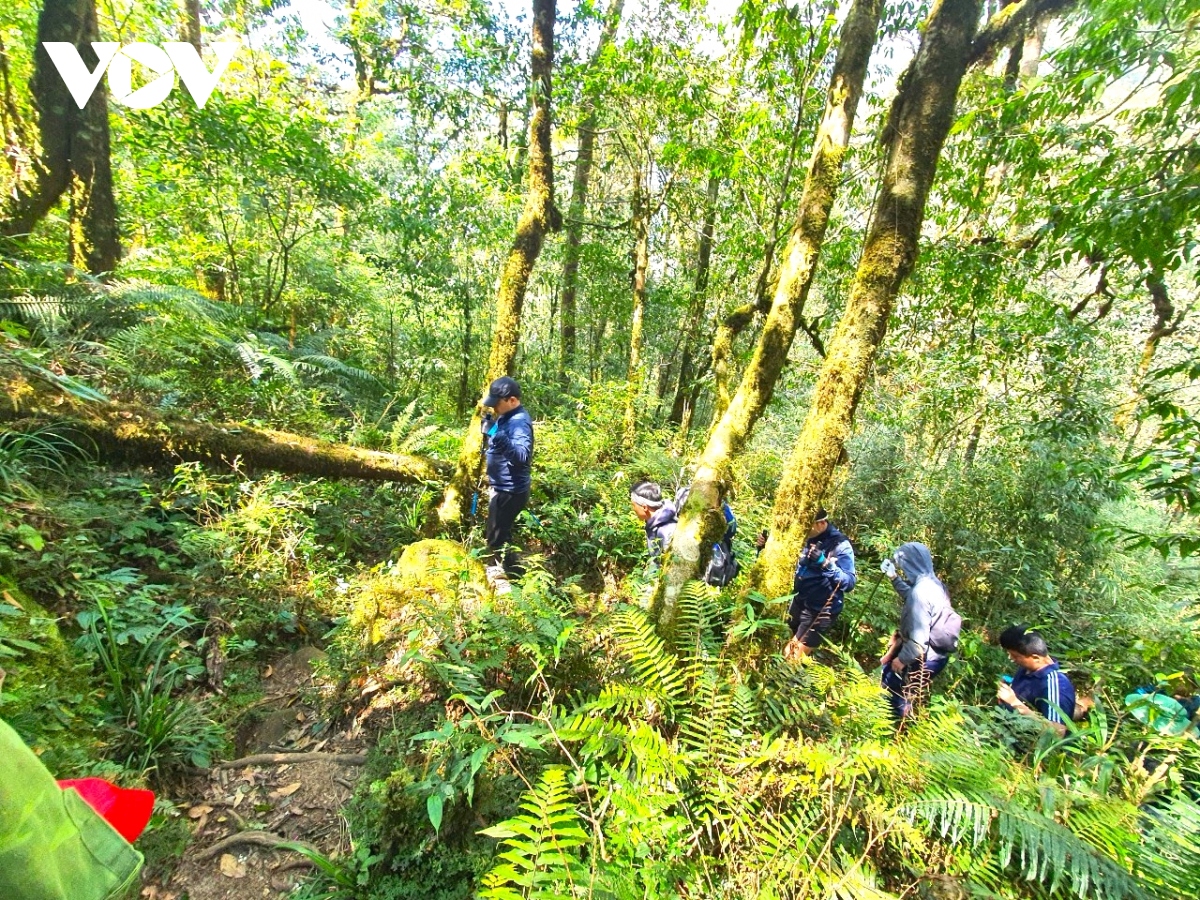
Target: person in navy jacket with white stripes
(1039, 687)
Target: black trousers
(809, 626)
(503, 510)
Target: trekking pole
(485, 425)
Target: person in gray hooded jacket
(928, 632)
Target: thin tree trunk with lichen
(641, 264)
(575, 212)
(695, 315)
(538, 217)
(136, 435)
(740, 318)
(1165, 324)
(75, 154)
(701, 522)
(917, 126)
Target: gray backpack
(944, 631)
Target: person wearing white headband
(657, 513)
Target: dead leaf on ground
(199, 811)
(231, 867)
(287, 791)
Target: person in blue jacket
(509, 461)
(659, 517)
(824, 574)
(1039, 688)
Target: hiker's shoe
(498, 580)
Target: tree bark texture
(917, 126)
(641, 265)
(75, 147)
(191, 23)
(1009, 21)
(579, 193)
(538, 216)
(695, 315)
(701, 522)
(136, 435)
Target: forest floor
(242, 806)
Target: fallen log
(134, 434)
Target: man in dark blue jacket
(1039, 688)
(824, 574)
(509, 460)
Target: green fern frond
(1043, 850)
(539, 861)
(627, 700)
(318, 364)
(654, 667)
(1168, 857)
(408, 435)
(697, 620)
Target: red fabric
(125, 809)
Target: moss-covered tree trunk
(701, 522)
(584, 160)
(74, 156)
(695, 314)
(641, 265)
(538, 216)
(917, 125)
(136, 435)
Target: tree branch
(1002, 29)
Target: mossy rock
(46, 683)
(436, 573)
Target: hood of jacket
(915, 560)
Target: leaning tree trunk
(75, 147)
(917, 125)
(695, 315)
(701, 522)
(641, 264)
(579, 193)
(136, 435)
(538, 217)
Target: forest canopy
(748, 283)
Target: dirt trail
(239, 810)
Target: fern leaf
(1043, 850)
(540, 844)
